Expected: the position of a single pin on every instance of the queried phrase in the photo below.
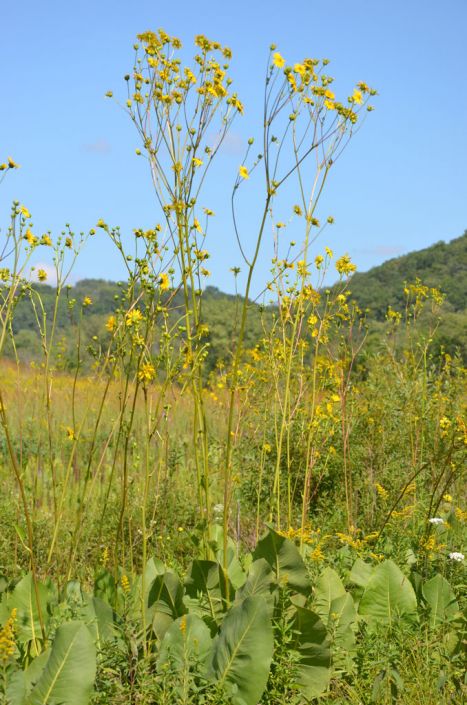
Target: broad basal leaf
(441, 600)
(242, 653)
(69, 674)
(388, 596)
(284, 558)
(314, 656)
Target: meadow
(283, 526)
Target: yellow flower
(147, 372)
(12, 164)
(105, 556)
(278, 60)
(197, 226)
(243, 171)
(164, 282)
(111, 324)
(357, 97)
(101, 224)
(46, 240)
(87, 301)
(125, 584)
(382, 492)
(329, 105)
(32, 239)
(134, 317)
(24, 211)
(300, 69)
(317, 554)
(42, 275)
(197, 162)
(345, 266)
(70, 433)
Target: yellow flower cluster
(307, 78)
(382, 492)
(404, 513)
(125, 584)
(345, 266)
(170, 82)
(9, 164)
(351, 539)
(105, 557)
(7, 638)
(430, 545)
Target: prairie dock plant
(251, 499)
(173, 107)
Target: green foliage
(69, 673)
(243, 651)
(272, 641)
(441, 600)
(285, 560)
(388, 596)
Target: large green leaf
(186, 642)
(314, 656)
(139, 601)
(388, 596)
(242, 652)
(234, 568)
(336, 608)
(165, 602)
(328, 587)
(284, 558)
(20, 683)
(69, 674)
(99, 617)
(441, 600)
(209, 589)
(23, 599)
(105, 587)
(261, 580)
(361, 573)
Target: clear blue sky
(400, 186)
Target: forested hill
(443, 265)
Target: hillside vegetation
(443, 265)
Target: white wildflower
(436, 520)
(456, 556)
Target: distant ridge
(442, 265)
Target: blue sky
(400, 186)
